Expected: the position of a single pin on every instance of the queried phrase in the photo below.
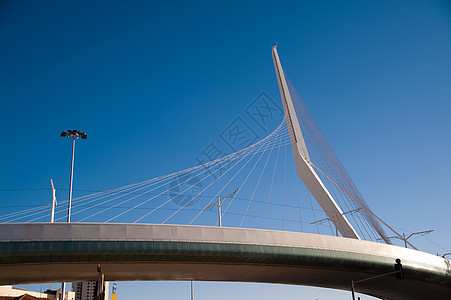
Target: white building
(67, 295)
(13, 291)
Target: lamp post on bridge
(74, 135)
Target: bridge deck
(44, 252)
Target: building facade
(87, 290)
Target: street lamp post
(73, 134)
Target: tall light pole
(73, 134)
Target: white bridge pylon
(303, 165)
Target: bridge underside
(386, 288)
(33, 253)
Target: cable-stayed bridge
(289, 212)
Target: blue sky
(153, 83)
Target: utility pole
(404, 238)
(334, 219)
(218, 205)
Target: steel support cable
(388, 226)
(280, 205)
(45, 212)
(226, 159)
(150, 183)
(322, 149)
(270, 189)
(272, 218)
(313, 210)
(163, 192)
(434, 242)
(322, 158)
(238, 198)
(84, 200)
(251, 171)
(337, 194)
(370, 223)
(161, 183)
(366, 224)
(37, 210)
(328, 164)
(266, 144)
(338, 167)
(242, 157)
(270, 137)
(307, 136)
(106, 193)
(25, 213)
(297, 197)
(237, 156)
(171, 176)
(258, 183)
(284, 187)
(213, 198)
(311, 127)
(303, 118)
(281, 134)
